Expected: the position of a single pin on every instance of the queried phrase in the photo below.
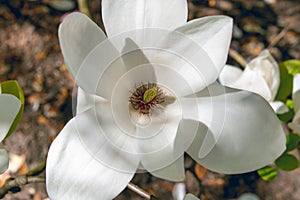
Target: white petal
(160, 144)
(229, 75)
(125, 15)
(260, 76)
(104, 67)
(74, 170)
(253, 81)
(213, 34)
(78, 35)
(122, 92)
(244, 133)
(174, 50)
(178, 80)
(86, 101)
(295, 124)
(3, 160)
(173, 172)
(105, 138)
(9, 108)
(296, 92)
(268, 68)
(194, 58)
(190, 197)
(279, 107)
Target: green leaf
(292, 141)
(12, 87)
(292, 66)
(267, 173)
(286, 83)
(287, 162)
(285, 117)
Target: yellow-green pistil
(145, 97)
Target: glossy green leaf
(12, 87)
(286, 117)
(292, 141)
(287, 162)
(286, 83)
(267, 173)
(292, 66)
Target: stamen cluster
(146, 97)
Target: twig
(140, 191)
(83, 7)
(39, 169)
(14, 184)
(275, 40)
(237, 57)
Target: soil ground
(30, 53)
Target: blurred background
(30, 54)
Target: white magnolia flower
(9, 108)
(146, 95)
(295, 124)
(261, 76)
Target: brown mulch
(30, 53)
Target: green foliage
(288, 69)
(286, 83)
(267, 173)
(285, 117)
(292, 141)
(287, 162)
(12, 87)
(292, 66)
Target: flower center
(146, 97)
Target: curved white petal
(197, 50)
(161, 146)
(74, 170)
(253, 81)
(78, 35)
(260, 76)
(295, 124)
(279, 107)
(266, 66)
(190, 197)
(296, 92)
(213, 34)
(173, 172)
(125, 15)
(85, 101)
(104, 67)
(178, 80)
(9, 108)
(105, 138)
(244, 133)
(175, 51)
(3, 160)
(172, 49)
(229, 75)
